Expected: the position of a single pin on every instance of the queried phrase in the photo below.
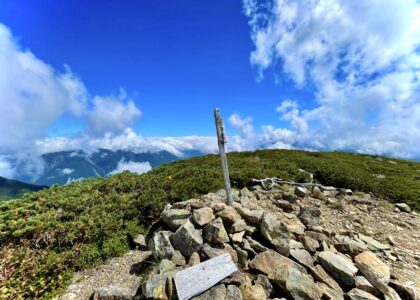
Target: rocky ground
(289, 242)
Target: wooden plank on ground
(199, 278)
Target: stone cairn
(278, 245)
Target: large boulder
(339, 267)
(187, 239)
(276, 233)
(310, 215)
(215, 232)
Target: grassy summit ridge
(45, 236)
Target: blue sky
(178, 59)
(319, 75)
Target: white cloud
(6, 169)
(361, 58)
(66, 171)
(112, 114)
(134, 167)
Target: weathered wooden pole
(221, 140)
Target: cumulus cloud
(66, 171)
(362, 60)
(34, 96)
(134, 167)
(112, 114)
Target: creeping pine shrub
(48, 235)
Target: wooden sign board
(199, 278)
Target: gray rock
(373, 244)
(276, 233)
(187, 239)
(340, 268)
(252, 216)
(233, 293)
(178, 259)
(295, 283)
(164, 266)
(285, 205)
(296, 245)
(252, 292)
(310, 215)
(301, 191)
(303, 257)
(363, 284)
(174, 218)
(203, 216)
(160, 245)
(228, 215)
(265, 283)
(218, 292)
(140, 242)
(406, 292)
(319, 274)
(194, 259)
(242, 256)
(309, 243)
(316, 193)
(237, 237)
(329, 293)
(375, 271)
(238, 226)
(215, 232)
(320, 237)
(211, 252)
(247, 247)
(120, 291)
(356, 294)
(157, 287)
(268, 261)
(256, 245)
(403, 207)
(348, 245)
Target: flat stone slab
(199, 278)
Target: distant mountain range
(15, 189)
(65, 167)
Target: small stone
(237, 237)
(310, 215)
(316, 236)
(242, 257)
(122, 291)
(276, 233)
(252, 216)
(187, 239)
(217, 206)
(164, 266)
(233, 293)
(265, 283)
(329, 293)
(297, 284)
(316, 193)
(403, 207)
(301, 191)
(155, 287)
(373, 244)
(247, 247)
(256, 245)
(174, 218)
(203, 216)
(253, 292)
(237, 278)
(217, 292)
(363, 284)
(303, 257)
(194, 259)
(285, 205)
(228, 215)
(296, 245)
(215, 232)
(340, 268)
(319, 274)
(356, 294)
(238, 226)
(374, 270)
(140, 242)
(268, 261)
(160, 245)
(178, 259)
(309, 243)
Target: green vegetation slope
(10, 189)
(46, 236)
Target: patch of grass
(47, 235)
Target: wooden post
(221, 140)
